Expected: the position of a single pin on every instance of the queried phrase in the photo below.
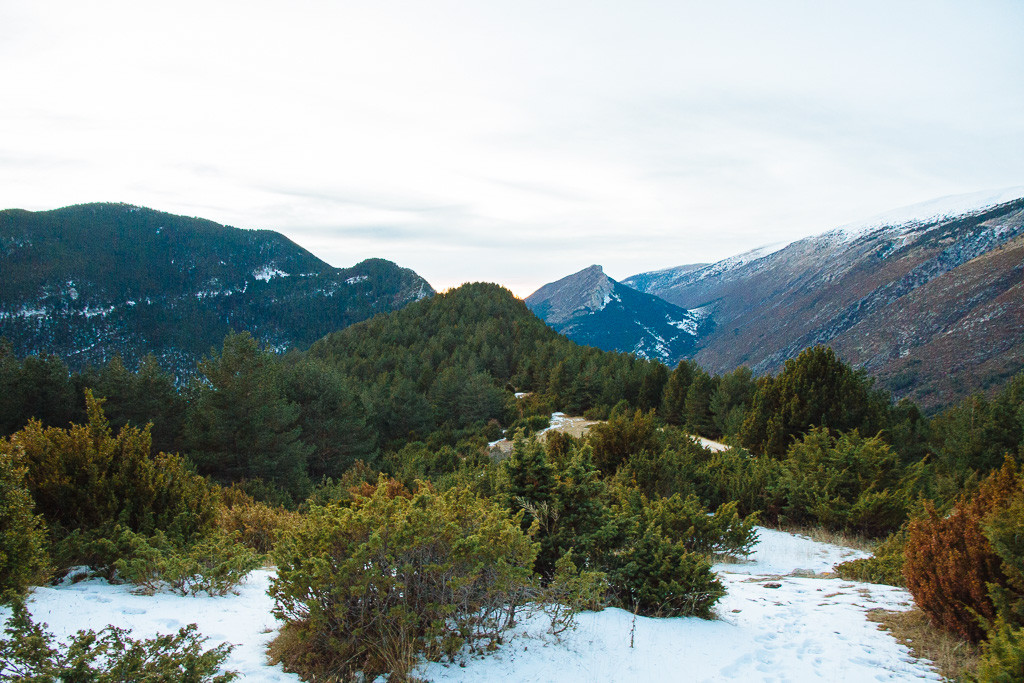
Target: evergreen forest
(367, 461)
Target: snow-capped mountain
(592, 309)
(927, 298)
(90, 281)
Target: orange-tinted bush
(949, 561)
(255, 524)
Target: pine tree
(240, 425)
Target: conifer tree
(674, 398)
(240, 425)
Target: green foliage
(815, 389)
(255, 524)
(673, 403)
(23, 558)
(28, 653)
(623, 435)
(975, 434)
(582, 512)
(731, 400)
(368, 587)
(686, 522)
(37, 388)
(1002, 659)
(697, 405)
(138, 398)
(844, 482)
(571, 591)
(214, 564)
(84, 479)
(240, 425)
(656, 577)
(885, 565)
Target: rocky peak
(587, 291)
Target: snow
(356, 279)
(908, 218)
(806, 629)
(266, 273)
(93, 311)
(738, 261)
(244, 619)
(714, 446)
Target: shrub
(570, 591)
(621, 436)
(110, 656)
(1002, 659)
(884, 566)
(844, 482)
(215, 564)
(255, 524)
(656, 577)
(685, 521)
(369, 587)
(949, 562)
(23, 558)
(83, 478)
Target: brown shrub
(255, 524)
(949, 562)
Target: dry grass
(839, 538)
(952, 657)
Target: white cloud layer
(511, 141)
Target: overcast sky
(513, 142)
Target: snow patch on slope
(267, 273)
(907, 218)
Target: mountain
(90, 281)
(592, 309)
(928, 298)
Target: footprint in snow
(132, 610)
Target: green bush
(371, 587)
(884, 566)
(27, 653)
(83, 478)
(23, 558)
(1002, 659)
(215, 564)
(844, 482)
(656, 577)
(685, 521)
(570, 591)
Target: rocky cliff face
(91, 281)
(932, 306)
(592, 309)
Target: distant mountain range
(592, 309)
(929, 299)
(90, 281)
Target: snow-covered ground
(806, 629)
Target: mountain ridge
(591, 308)
(847, 289)
(93, 280)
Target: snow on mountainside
(90, 281)
(905, 219)
(927, 298)
(807, 629)
(592, 309)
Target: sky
(512, 141)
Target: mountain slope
(592, 309)
(931, 305)
(89, 281)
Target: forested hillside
(93, 281)
(385, 426)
